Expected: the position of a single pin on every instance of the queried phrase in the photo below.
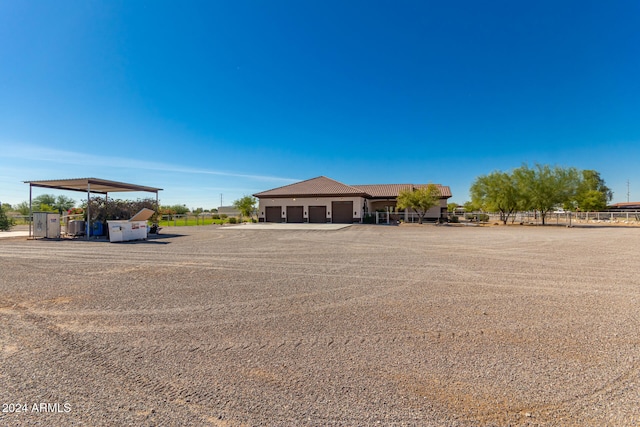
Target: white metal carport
(88, 185)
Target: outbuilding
(88, 186)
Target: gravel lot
(410, 325)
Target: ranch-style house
(322, 200)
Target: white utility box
(133, 229)
(46, 224)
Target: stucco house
(322, 199)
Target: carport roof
(93, 185)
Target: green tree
(420, 199)
(63, 203)
(46, 199)
(591, 201)
(543, 188)
(23, 208)
(246, 205)
(6, 222)
(44, 203)
(451, 207)
(179, 209)
(592, 193)
(43, 207)
(469, 206)
(496, 192)
(51, 203)
(172, 210)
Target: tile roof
(392, 190)
(383, 190)
(445, 191)
(327, 187)
(315, 187)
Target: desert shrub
(454, 219)
(233, 220)
(5, 222)
(215, 216)
(477, 217)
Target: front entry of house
(317, 214)
(295, 214)
(342, 212)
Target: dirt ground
(368, 325)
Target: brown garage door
(294, 214)
(317, 214)
(342, 212)
(272, 214)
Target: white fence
(567, 218)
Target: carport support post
(88, 231)
(30, 209)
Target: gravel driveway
(409, 325)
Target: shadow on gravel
(152, 240)
(158, 239)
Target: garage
(317, 214)
(321, 200)
(295, 214)
(272, 214)
(342, 212)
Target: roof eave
(290, 196)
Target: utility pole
(220, 199)
(628, 192)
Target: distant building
(228, 210)
(634, 206)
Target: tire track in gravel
(607, 392)
(76, 351)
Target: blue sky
(236, 97)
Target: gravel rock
(369, 325)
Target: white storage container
(46, 224)
(133, 229)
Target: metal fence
(558, 218)
(187, 219)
